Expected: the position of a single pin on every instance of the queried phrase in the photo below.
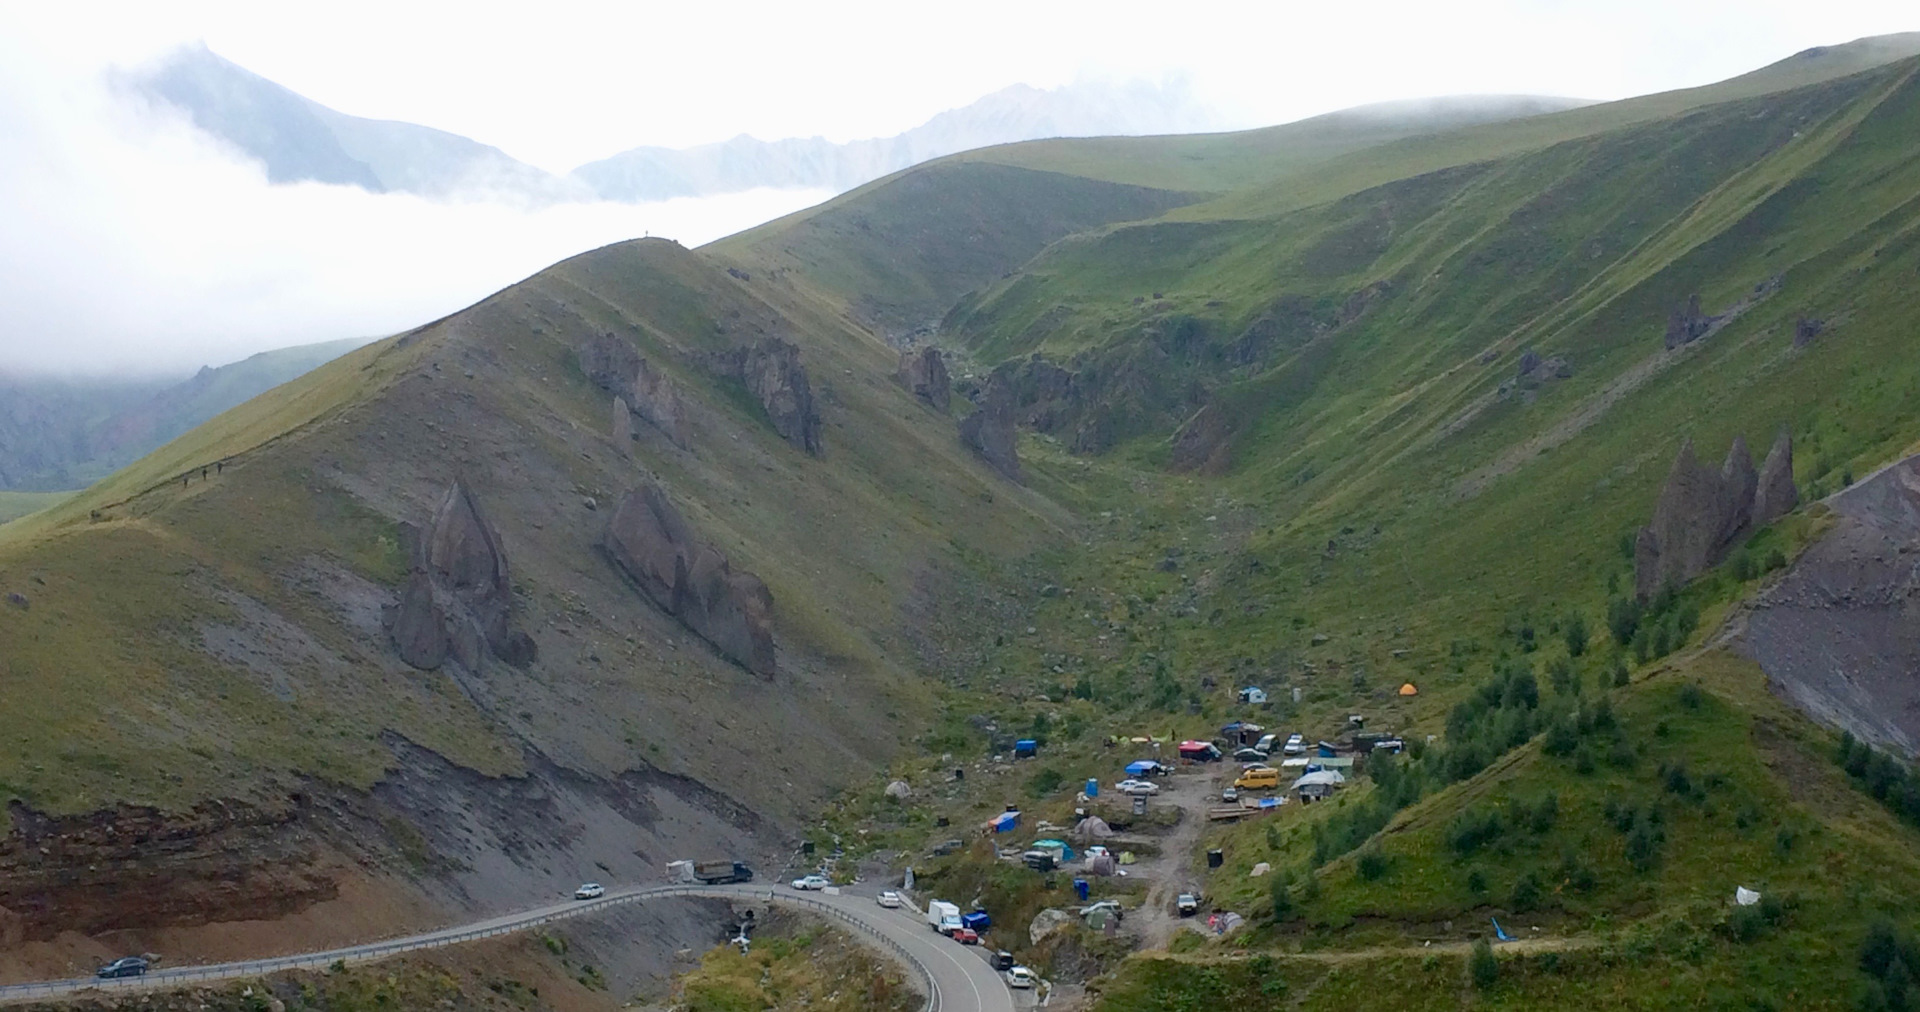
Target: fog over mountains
(300, 140)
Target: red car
(967, 936)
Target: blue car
(127, 966)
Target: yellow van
(1258, 780)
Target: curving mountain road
(955, 978)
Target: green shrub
(1691, 695)
(1526, 892)
(1484, 968)
(1575, 632)
(1471, 830)
(1281, 894)
(1476, 882)
(1372, 864)
(1044, 783)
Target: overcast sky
(129, 245)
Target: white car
(1296, 744)
(590, 891)
(889, 899)
(811, 883)
(1136, 787)
(1021, 977)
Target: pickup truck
(1188, 904)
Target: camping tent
(1253, 694)
(1328, 778)
(1092, 827)
(1004, 822)
(1409, 690)
(1142, 768)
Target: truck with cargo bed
(721, 872)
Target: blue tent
(1004, 822)
(1141, 767)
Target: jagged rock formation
(621, 428)
(1702, 514)
(772, 372)
(1687, 323)
(617, 367)
(458, 601)
(654, 546)
(1205, 443)
(1776, 495)
(925, 373)
(990, 432)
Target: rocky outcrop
(1702, 514)
(1205, 443)
(615, 366)
(620, 428)
(772, 373)
(653, 545)
(990, 432)
(458, 600)
(1776, 495)
(1686, 323)
(924, 372)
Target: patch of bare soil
(1839, 635)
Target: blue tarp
(1004, 822)
(1141, 767)
(1025, 746)
(978, 920)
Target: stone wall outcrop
(615, 366)
(458, 599)
(771, 370)
(1702, 514)
(650, 542)
(990, 432)
(924, 373)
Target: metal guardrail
(374, 951)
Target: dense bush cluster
(1654, 629)
(1890, 781)
(1888, 956)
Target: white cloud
(135, 243)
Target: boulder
(1776, 495)
(458, 600)
(989, 432)
(1687, 323)
(772, 373)
(1046, 923)
(924, 372)
(654, 546)
(621, 429)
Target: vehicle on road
(889, 899)
(811, 883)
(1187, 903)
(1295, 745)
(1136, 787)
(1264, 779)
(966, 936)
(125, 966)
(1267, 742)
(721, 872)
(1249, 755)
(943, 916)
(1021, 977)
(1002, 960)
(590, 891)
(1230, 795)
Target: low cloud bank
(137, 245)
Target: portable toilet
(1093, 787)
(1025, 748)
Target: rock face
(458, 601)
(925, 373)
(1702, 514)
(772, 372)
(1687, 323)
(615, 366)
(655, 547)
(621, 428)
(1205, 443)
(989, 432)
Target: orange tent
(1409, 690)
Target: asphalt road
(956, 978)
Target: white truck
(943, 917)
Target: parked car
(1261, 779)
(1021, 977)
(1267, 742)
(1112, 905)
(1188, 904)
(125, 966)
(967, 936)
(1249, 755)
(590, 891)
(1136, 787)
(1295, 745)
(811, 883)
(1230, 795)
(889, 899)
(1003, 960)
